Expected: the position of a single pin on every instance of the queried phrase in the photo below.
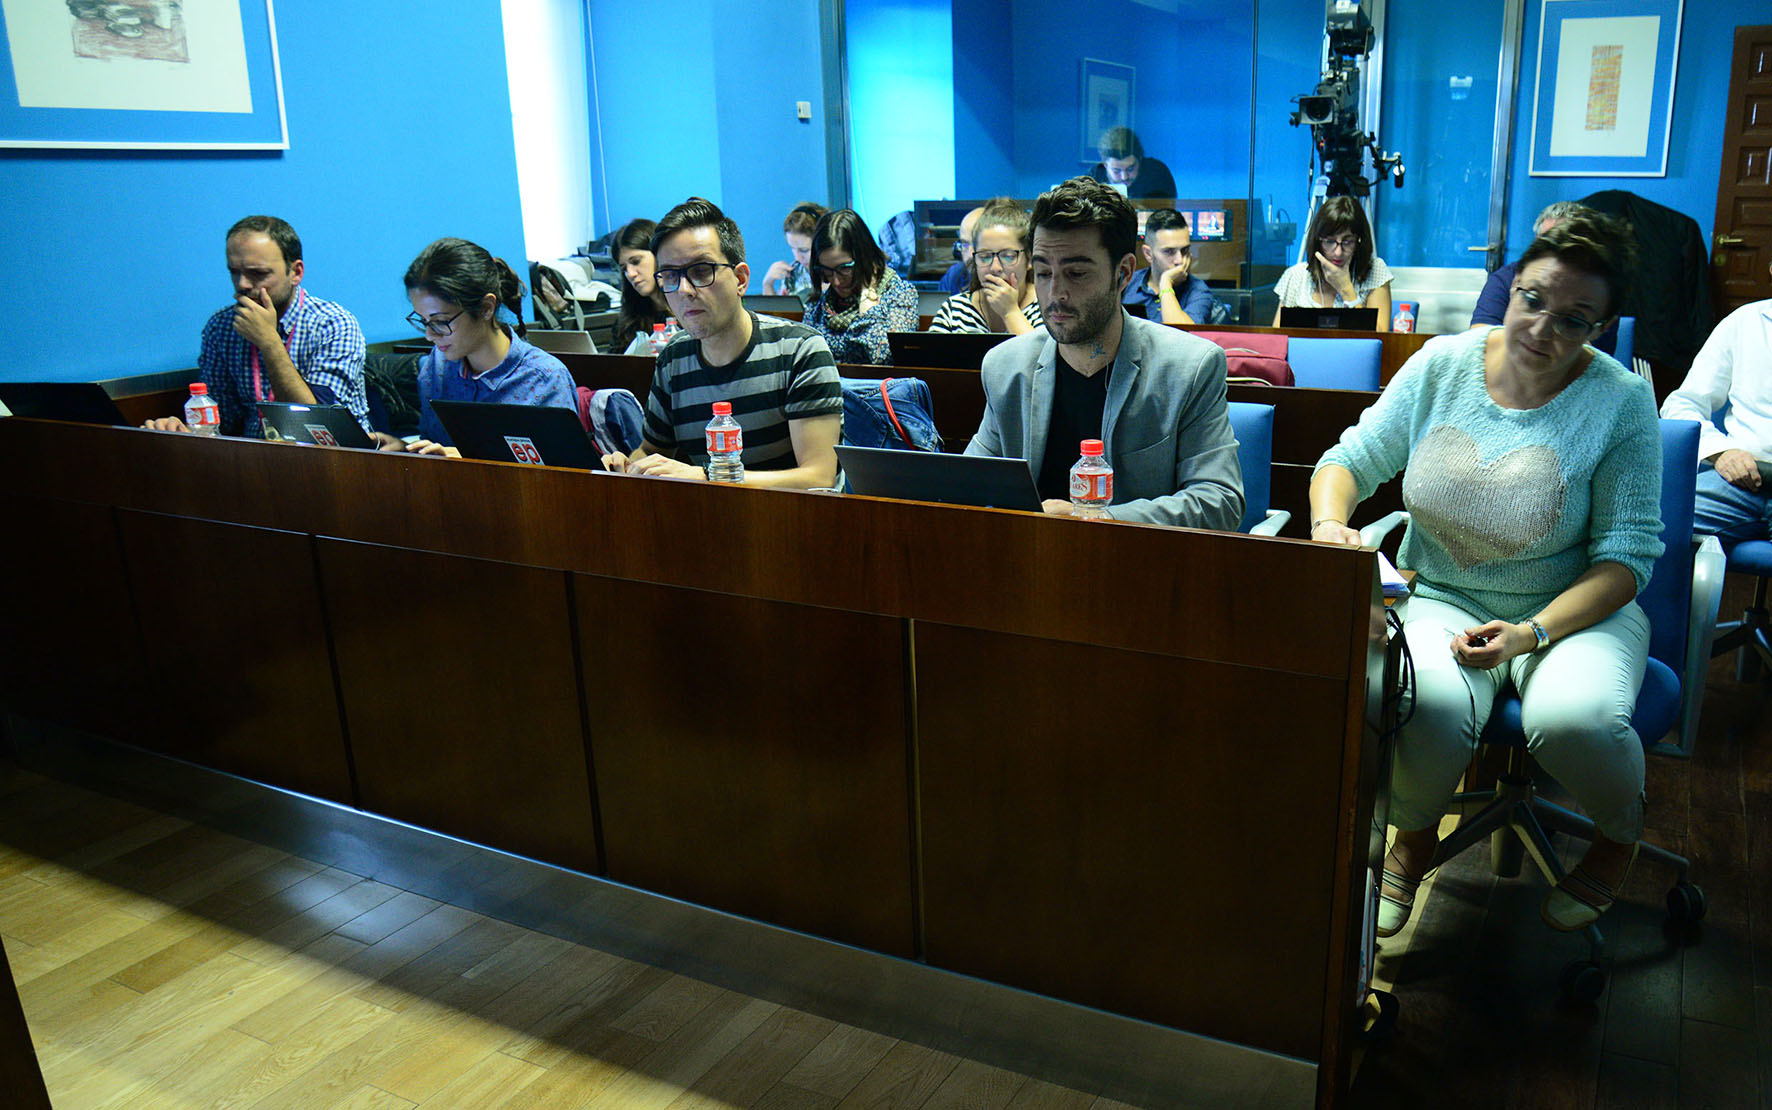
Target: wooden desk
(1024, 749)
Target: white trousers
(1576, 699)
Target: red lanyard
(259, 392)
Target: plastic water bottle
(659, 338)
(201, 414)
(1404, 320)
(725, 445)
(1092, 483)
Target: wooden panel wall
(752, 756)
(236, 644)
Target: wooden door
(1741, 240)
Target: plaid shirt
(325, 344)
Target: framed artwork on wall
(141, 75)
(1605, 97)
(1106, 102)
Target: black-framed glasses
(1008, 258)
(1347, 243)
(1569, 327)
(433, 327)
(700, 274)
(827, 273)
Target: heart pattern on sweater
(1480, 512)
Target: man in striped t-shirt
(779, 376)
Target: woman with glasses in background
(857, 298)
(456, 289)
(642, 302)
(1000, 296)
(1531, 466)
(1340, 270)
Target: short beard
(1093, 318)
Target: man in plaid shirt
(277, 342)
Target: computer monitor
(538, 435)
(979, 480)
(317, 425)
(1333, 319)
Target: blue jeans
(1730, 513)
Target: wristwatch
(1538, 631)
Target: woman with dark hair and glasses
(642, 302)
(795, 278)
(1531, 466)
(1340, 270)
(456, 289)
(858, 299)
(1000, 295)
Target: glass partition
(1210, 90)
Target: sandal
(1579, 899)
(1394, 911)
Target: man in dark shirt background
(1123, 163)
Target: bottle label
(523, 449)
(1092, 485)
(202, 416)
(722, 440)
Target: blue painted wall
(901, 101)
(984, 99)
(697, 99)
(1701, 94)
(113, 260)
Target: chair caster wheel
(1582, 980)
(1685, 904)
(1380, 1013)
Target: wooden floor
(163, 964)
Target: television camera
(1332, 111)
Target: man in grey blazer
(1152, 394)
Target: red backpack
(1255, 357)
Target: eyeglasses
(433, 327)
(828, 273)
(1347, 243)
(985, 258)
(700, 274)
(1569, 327)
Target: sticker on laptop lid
(523, 450)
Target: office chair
(1320, 363)
(1681, 603)
(1626, 347)
(1253, 425)
(1752, 634)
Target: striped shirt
(786, 373)
(325, 344)
(958, 313)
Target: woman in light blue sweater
(1532, 472)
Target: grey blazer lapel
(1039, 410)
(1128, 362)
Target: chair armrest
(1270, 525)
(1708, 566)
(1373, 534)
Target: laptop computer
(768, 303)
(562, 342)
(537, 435)
(979, 480)
(952, 350)
(1335, 319)
(320, 425)
(80, 402)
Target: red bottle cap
(721, 408)
(658, 327)
(1092, 447)
(198, 389)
